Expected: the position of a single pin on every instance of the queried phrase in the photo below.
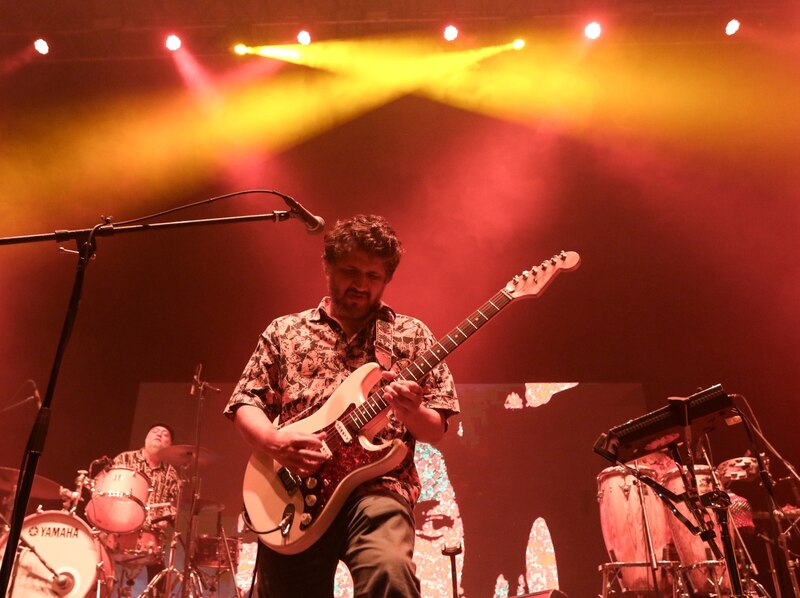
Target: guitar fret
(493, 305)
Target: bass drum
(622, 513)
(66, 544)
(707, 577)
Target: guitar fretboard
(375, 404)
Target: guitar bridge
(289, 480)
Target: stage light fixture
(732, 27)
(41, 46)
(173, 42)
(518, 44)
(450, 33)
(304, 38)
(593, 30)
(240, 49)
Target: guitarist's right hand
(298, 451)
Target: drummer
(163, 480)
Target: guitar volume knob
(311, 483)
(311, 500)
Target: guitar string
(448, 344)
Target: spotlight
(173, 42)
(592, 30)
(518, 44)
(304, 38)
(450, 33)
(732, 27)
(240, 49)
(41, 46)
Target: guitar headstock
(532, 282)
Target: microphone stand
(188, 570)
(86, 242)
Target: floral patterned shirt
(302, 358)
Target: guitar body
(318, 499)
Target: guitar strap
(383, 343)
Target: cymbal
(181, 455)
(42, 487)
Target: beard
(354, 305)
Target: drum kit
(653, 553)
(62, 554)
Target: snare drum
(67, 545)
(622, 512)
(119, 499)
(210, 552)
(706, 575)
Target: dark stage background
(687, 225)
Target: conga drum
(622, 519)
(705, 574)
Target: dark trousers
(373, 535)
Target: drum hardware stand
(778, 537)
(228, 556)
(647, 534)
(170, 574)
(745, 563)
(610, 573)
(791, 563)
(221, 539)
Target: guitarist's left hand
(405, 399)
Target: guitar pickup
(289, 480)
(342, 429)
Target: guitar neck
(376, 404)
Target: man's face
(157, 438)
(356, 283)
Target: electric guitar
(290, 513)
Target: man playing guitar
(300, 361)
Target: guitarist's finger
(388, 375)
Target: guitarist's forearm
(426, 425)
(255, 427)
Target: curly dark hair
(369, 233)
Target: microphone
(314, 224)
(63, 583)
